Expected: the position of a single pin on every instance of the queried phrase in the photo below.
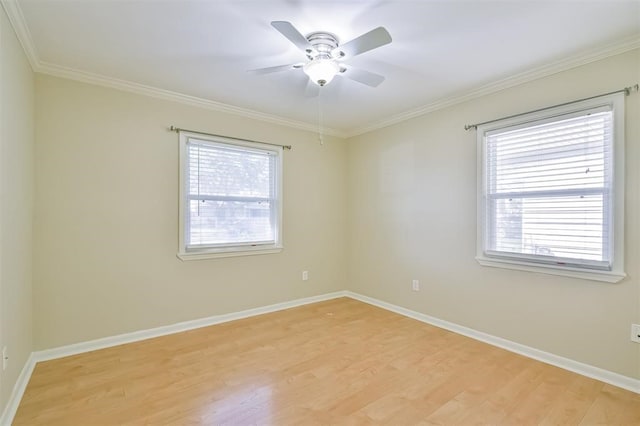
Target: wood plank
(334, 362)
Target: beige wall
(412, 215)
(106, 226)
(106, 222)
(16, 205)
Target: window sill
(241, 251)
(604, 276)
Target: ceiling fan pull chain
(320, 136)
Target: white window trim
(616, 274)
(230, 250)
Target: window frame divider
(194, 252)
(615, 186)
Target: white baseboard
(17, 392)
(606, 376)
(137, 336)
(597, 373)
(92, 345)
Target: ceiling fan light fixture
(325, 54)
(321, 70)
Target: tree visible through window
(230, 195)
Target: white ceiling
(441, 50)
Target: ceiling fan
(325, 55)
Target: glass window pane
(231, 195)
(549, 186)
(567, 227)
(220, 171)
(230, 222)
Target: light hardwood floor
(334, 362)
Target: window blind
(549, 188)
(231, 199)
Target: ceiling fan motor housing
(323, 43)
(322, 66)
(325, 54)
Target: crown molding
(568, 63)
(16, 18)
(154, 92)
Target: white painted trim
(597, 373)
(275, 207)
(568, 63)
(154, 92)
(18, 390)
(244, 251)
(614, 214)
(593, 275)
(606, 376)
(136, 336)
(14, 13)
(18, 22)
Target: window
(230, 200)
(551, 191)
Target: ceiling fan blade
(278, 68)
(290, 32)
(361, 76)
(367, 41)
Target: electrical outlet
(635, 333)
(5, 358)
(415, 285)
(305, 275)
